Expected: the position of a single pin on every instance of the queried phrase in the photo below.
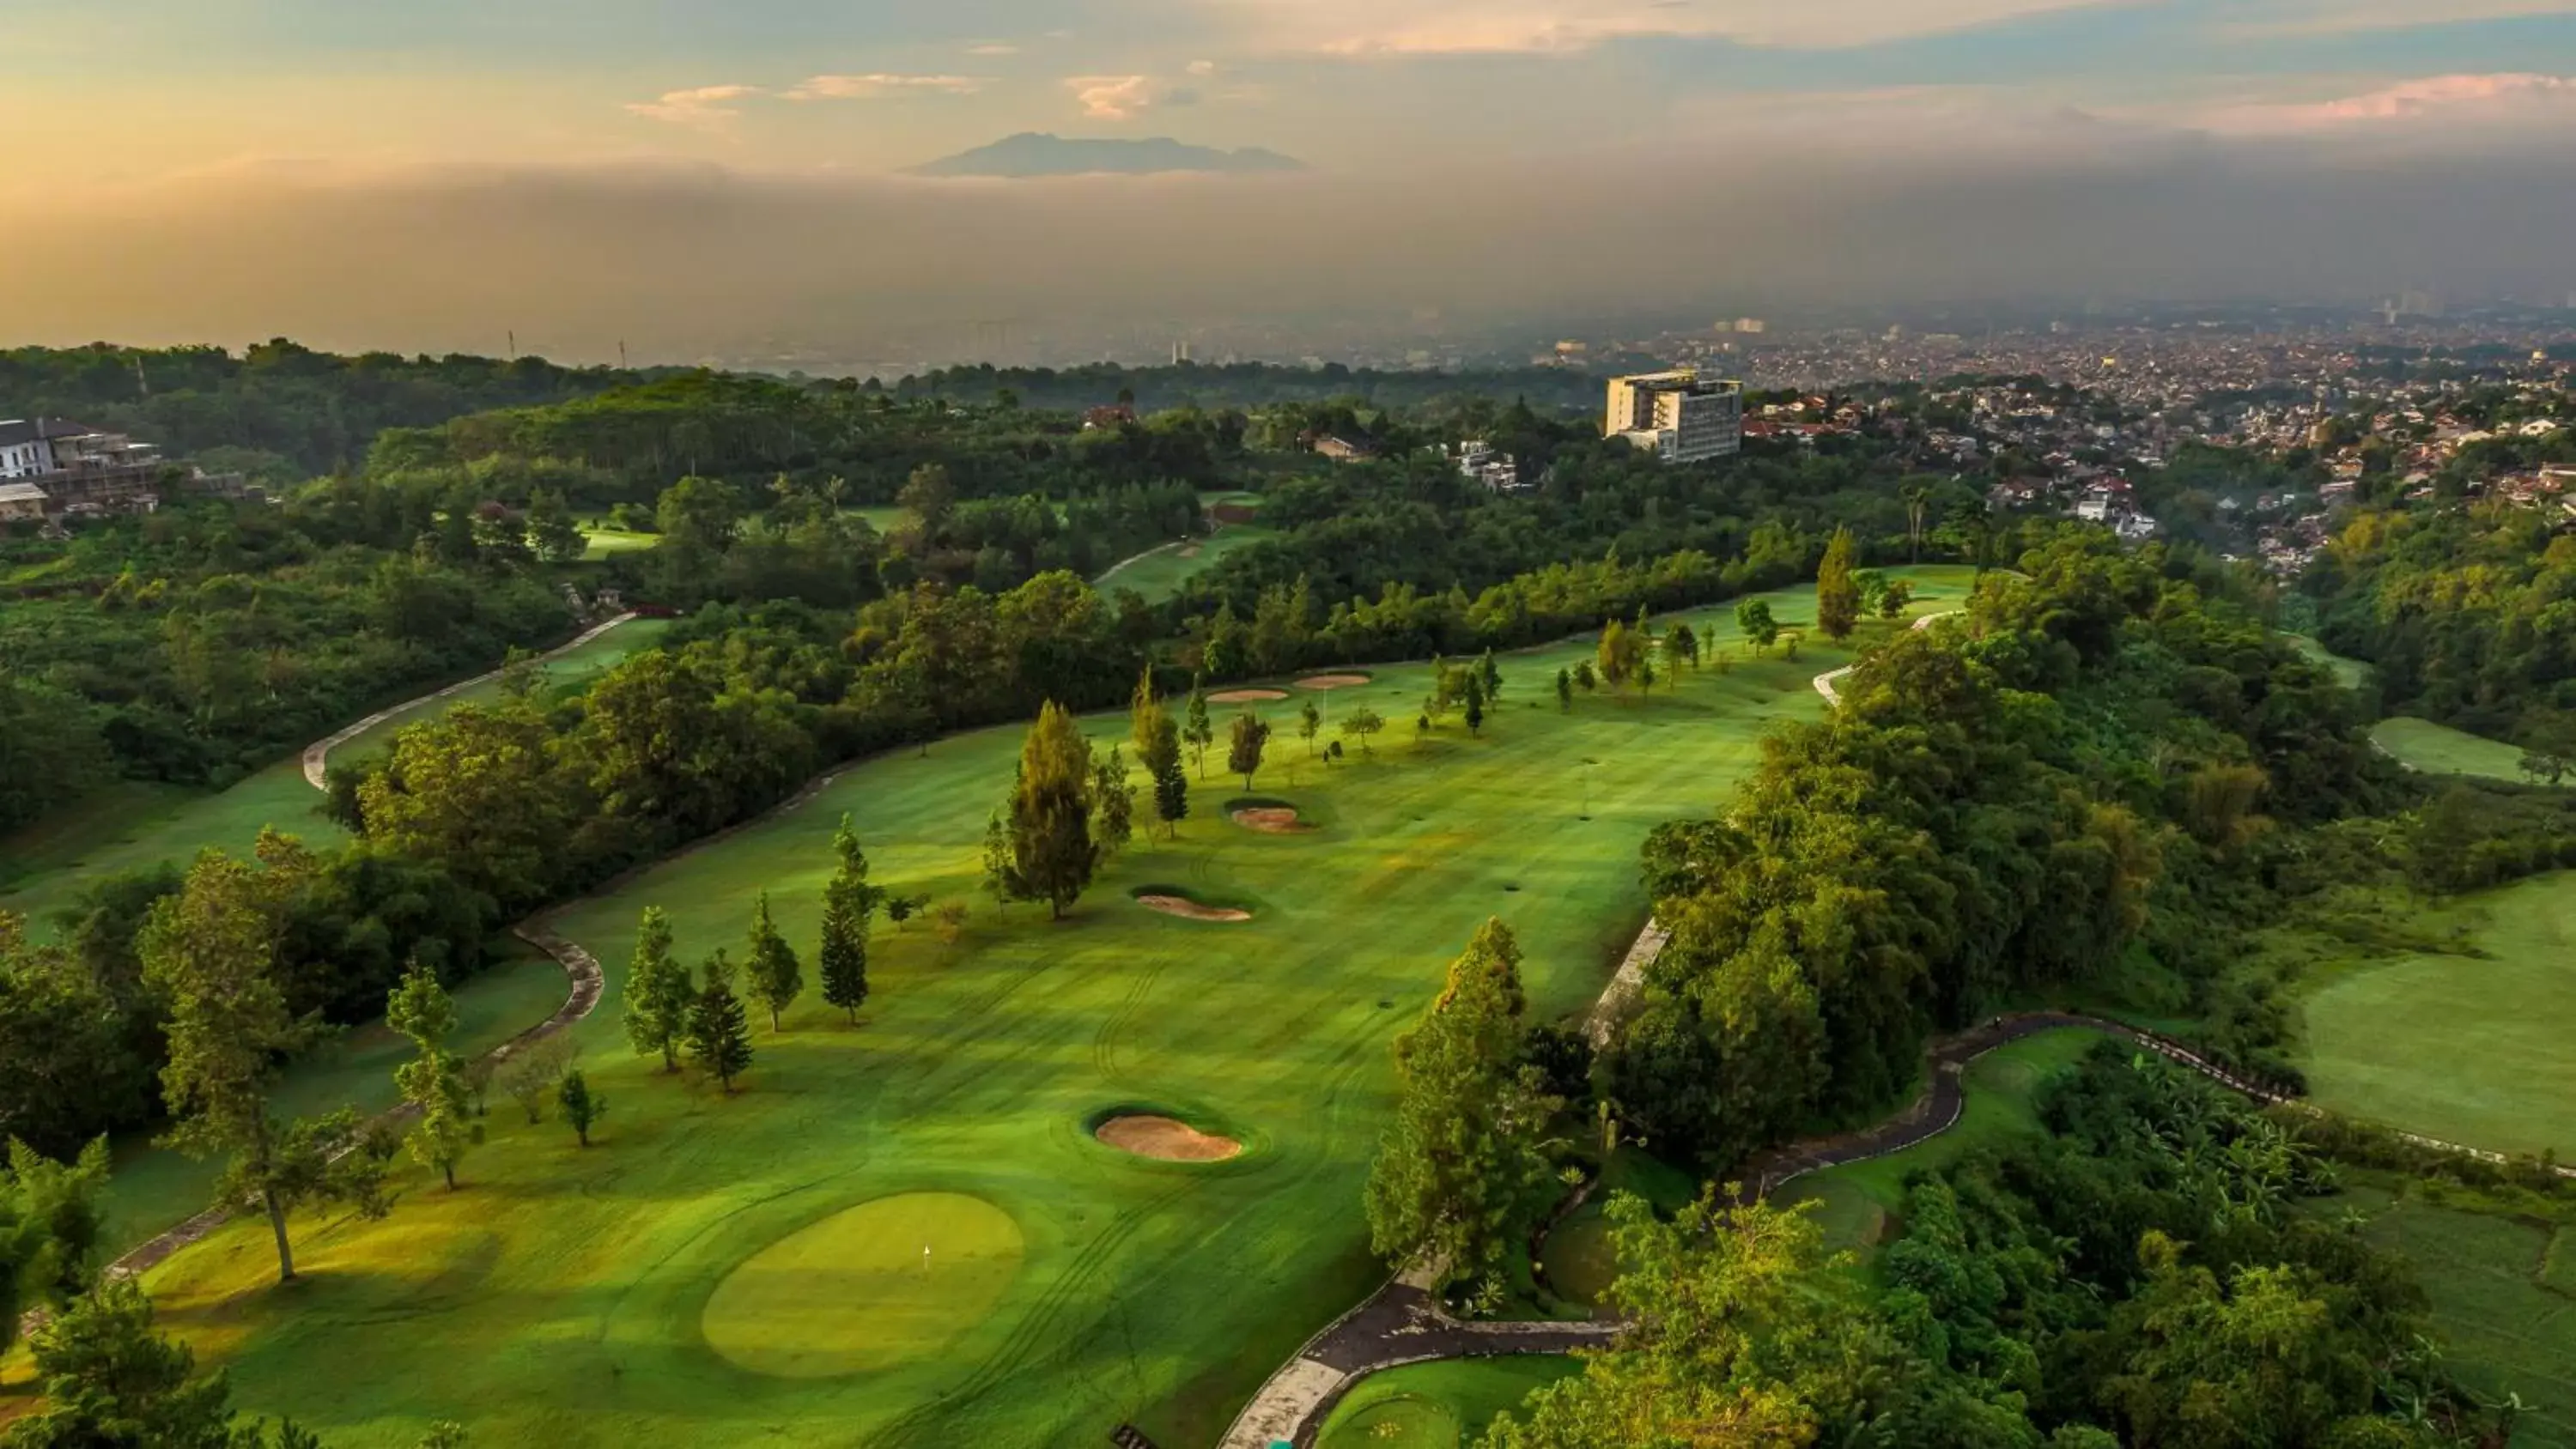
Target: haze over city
(697, 177)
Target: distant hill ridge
(1038, 153)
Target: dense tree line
(203, 641)
(2463, 611)
(2005, 808)
(2150, 1271)
(627, 444)
(278, 411)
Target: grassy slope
(2505, 1328)
(1858, 1202)
(1153, 1294)
(572, 671)
(1160, 574)
(2420, 744)
(133, 826)
(2467, 1047)
(1437, 1405)
(154, 1188)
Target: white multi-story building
(1682, 417)
(78, 469)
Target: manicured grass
(1159, 575)
(2471, 1048)
(1578, 1256)
(2420, 744)
(131, 827)
(850, 1295)
(1158, 1294)
(2503, 1328)
(1857, 1204)
(154, 1188)
(2350, 673)
(606, 542)
(570, 672)
(1437, 1405)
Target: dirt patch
(1333, 681)
(1248, 696)
(1234, 513)
(1189, 910)
(1272, 820)
(1190, 552)
(1165, 1140)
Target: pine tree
(1310, 723)
(1475, 706)
(1052, 851)
(1113, 804)
(1837, 591)
(1158, 749)
(434, 1081)
(1682, 644)
(777, 977)
(1461, 1163)
(582, 1107)
(1565, 689)
(719, 1029)
(1145, 718)
(658, 992)
(1198, 731)
(1172, 797)
(1490, 675)
(849, 903)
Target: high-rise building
(1679, 415)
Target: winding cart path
(584, 982)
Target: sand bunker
(1248, 696)
(1165, 1140)
(1333, 681)
(1272, 820)
(1189, 910)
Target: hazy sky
(373, 166)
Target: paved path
(317, 756)
(581, 970)
(1827, 683)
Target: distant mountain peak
(1038, 153)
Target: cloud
(993, 47)
(2471, 105)
(704, 106)
(1202, 67)
(864, 87)
(1453, 27)
(1113, 97)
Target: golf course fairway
(588, 1298)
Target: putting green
(2468, 1047)
(1149, 1295)
(867, 1288)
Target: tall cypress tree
(1051, 846)
(719, 1029)
(849, 903)
(658, 992)
(777, 977)
(1837, 590)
